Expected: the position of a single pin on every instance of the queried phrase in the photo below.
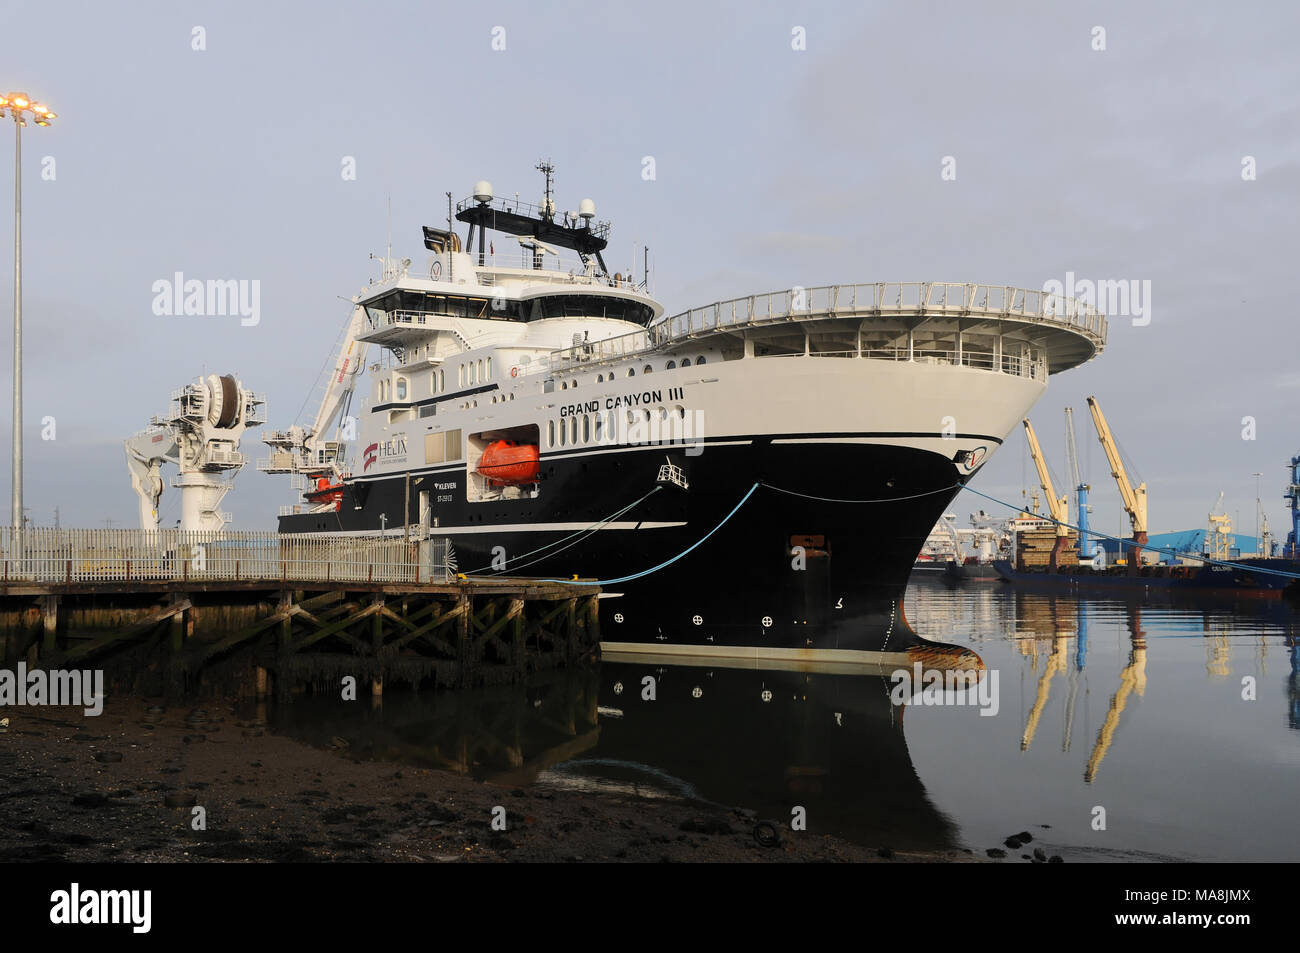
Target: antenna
(388, 256)
(547, 168)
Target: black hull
(746, 585)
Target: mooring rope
(588, 531)
(667, 562)
(887, 499)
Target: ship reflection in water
(1179, 721)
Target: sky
(793, 144)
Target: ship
(963, 555)
(754, 477)
(1053, 555)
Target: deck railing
(70, 556)
(882, 299)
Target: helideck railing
(878, 300)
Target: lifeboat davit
(510, 464)
(326, 492)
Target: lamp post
(19, 106)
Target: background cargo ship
(1053, 553)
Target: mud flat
(124, 786)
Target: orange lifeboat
(506, 463)
(326, 492)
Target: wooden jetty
(164, 608)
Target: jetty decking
(162, 608)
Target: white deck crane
(319, 451)
(1133, 497)
(200, 434)
(1058, 507)
(1087, 548)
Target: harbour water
(1110, 730)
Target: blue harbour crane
(1292, 497)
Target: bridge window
(647, 369)
(700, 359)
(670, 365)
(401, 388)
(686, 362)
(631, 372)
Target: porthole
(700, 359)
(631, 372)
(647, 369)
(670, 365)
(686, 362)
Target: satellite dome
(483, 191)
(587, 209)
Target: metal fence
(67, 556)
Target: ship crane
(1058, 507)
(200, 434)
(1133, 497)
(1218, 541)
(1087, 549)
(319, 452)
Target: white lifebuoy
(514, 371)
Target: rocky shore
(133, 784)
